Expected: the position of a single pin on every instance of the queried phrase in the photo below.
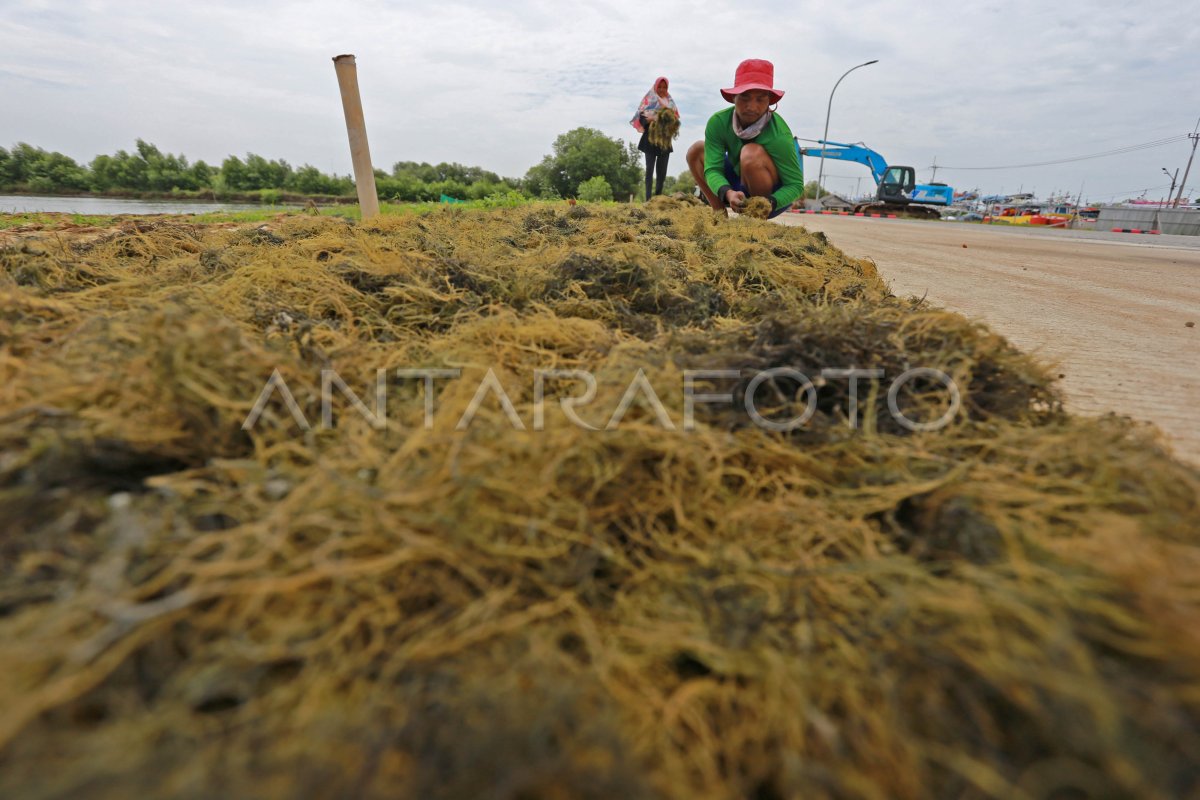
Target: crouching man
(748, 150)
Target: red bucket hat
(753, 73)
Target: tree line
(583, 163)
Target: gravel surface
(1109, 309)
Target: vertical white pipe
(356, 129)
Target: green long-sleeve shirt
(776, 139)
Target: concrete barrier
(1179, 221)
(1127, 218)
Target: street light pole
(828, 108)
(1171, 191)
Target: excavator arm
(857, 153)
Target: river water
(15, 203)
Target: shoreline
(199, 197)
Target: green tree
(410, 180)
(581, 154)
(595, 190)
(147, 169)
(164, 171)
(44, 171)
(264, 174)
(202, 174)
(403, 188)
(310, 180)
(219, 189)
(102, 173)
(120, 171)
(20, 162)
(254, 173)
(8, 169)
(685, 183)
(450, 188)
(538, 181)
(481, 189)
(233, 174)
(425, 173)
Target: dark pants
(656, 167)
(735, 183)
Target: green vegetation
(22, 219)
(412, 182)
(509, 199)
(579, 155)
(684, 183)
(595, 190)
(147, 171)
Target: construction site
(898, 195)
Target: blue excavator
(898, 192)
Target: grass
(17, 220)
(59, 220)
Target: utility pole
(1195, 137)
(933, 179)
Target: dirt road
(1109, 309)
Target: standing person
(657, 154)
(748, 150)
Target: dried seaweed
(663, 129)
(1003, 607)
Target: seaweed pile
(447, 586)
(664, 128)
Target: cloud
(970, 84)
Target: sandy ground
(1109, 309)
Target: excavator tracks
(898, 210)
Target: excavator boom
(848, 152)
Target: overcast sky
(970, 84)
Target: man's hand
(736, 200)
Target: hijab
(654, 103)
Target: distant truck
(898, 191)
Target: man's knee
(695, 151)
(759, 172)
(753, 155)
